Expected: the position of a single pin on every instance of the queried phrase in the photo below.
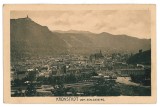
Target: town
(97, 74)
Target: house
(128, 72)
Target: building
(128, 72)
(96, 56)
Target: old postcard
(79, 54)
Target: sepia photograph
(79, 53)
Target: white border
(157, 2)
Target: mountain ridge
(31, 38)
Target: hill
(141, 58)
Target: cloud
(135, 23)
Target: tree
(31, 90)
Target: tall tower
(27, 18)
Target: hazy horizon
(134, 23)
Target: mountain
(72, 31)
(87, 42)
(29, 38)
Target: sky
(135, 23)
